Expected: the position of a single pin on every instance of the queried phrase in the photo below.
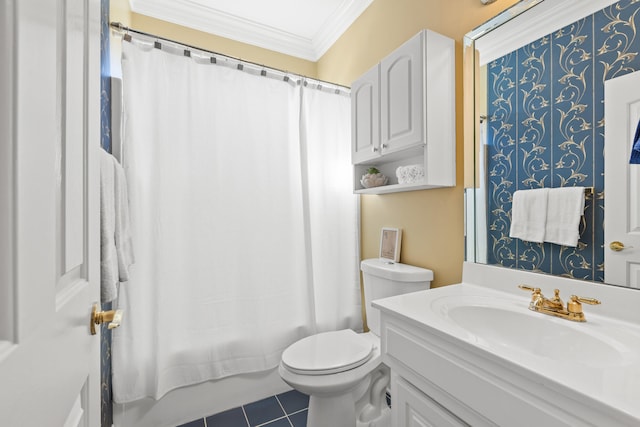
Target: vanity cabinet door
(401, 97)
(413, 408)
(365, 121)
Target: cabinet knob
(374, 149)
(385, 146)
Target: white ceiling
(301, 28)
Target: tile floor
(283, 410)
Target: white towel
(564, 209)
(529, 214)
(108, 252)
(124, 247)
(116, 253)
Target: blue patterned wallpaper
(546, 129)
(105, 142)
(105, 77)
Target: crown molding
(336, 24)
(194, 15)
(540, 20)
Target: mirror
(534, 117)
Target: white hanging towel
(529, 214)
(564, 209)
(124, 247)
(116, 254)
(108, 254)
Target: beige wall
(432, 220)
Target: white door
(622, 182)
(49, 246)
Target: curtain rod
(119, 27)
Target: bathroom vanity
(474, 354)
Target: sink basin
(505, 324)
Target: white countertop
(596, 361)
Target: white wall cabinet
(403, 113)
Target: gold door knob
(114, 317)
(618, 246)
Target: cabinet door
(412, 408)
(365, 117)
(402, 110)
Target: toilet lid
(327, 353)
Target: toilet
(342, 371)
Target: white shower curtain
(325, 127)
(244, 225)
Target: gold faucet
(555, 306)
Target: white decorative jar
(370, 180)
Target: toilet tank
(383, 278)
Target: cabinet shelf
(388, 165)
(396, 188)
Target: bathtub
(189, 403)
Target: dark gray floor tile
(293, 401)
(299, 419)
(263, 411)
(231, 418)
(282, 422)
(195, 423)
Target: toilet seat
(327, 353)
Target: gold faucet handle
(591, 301)
(575, 308)
(536, 296)
(529, 288)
